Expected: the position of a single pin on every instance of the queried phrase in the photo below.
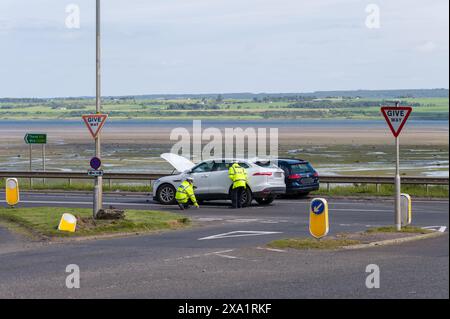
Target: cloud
(166, 46)
(427, 47)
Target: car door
(219, 182)
(201, 174)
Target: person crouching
(185, 194)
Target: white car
(265, 180)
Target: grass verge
(348, 239)
(78, 186)
(393, 229)
(312, 243)
(351, 190)
(384, 190)
(43, 221)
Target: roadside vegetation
(393, 229)
(342, 240)
(311, 243)
(43, 222)
(436, 191)
(350, 190)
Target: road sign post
(396, 118)
(35, 138)
(95, 122)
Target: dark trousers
(236, 197)
(183, 206)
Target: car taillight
(263, 174)
(295, 176)
(316, 174)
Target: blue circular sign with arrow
(317, 206)
(95, 163)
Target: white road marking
(239, 233)
(209, 219)
(441, 229)
(382, 202)
(356, 224)
(430, 201)
(272, 249)
(200, 255)
(242, 220)
(360, 210)
(227, 256)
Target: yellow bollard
(68, 223)
(406, 209)
(318, 218)
(12, 191)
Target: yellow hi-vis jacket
(238, 175)
(185, 192)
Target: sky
(222, 46)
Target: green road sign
(35, 138)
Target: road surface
(223, 255)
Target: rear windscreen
(266, 164)
(301, 168)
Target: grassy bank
(43, 221)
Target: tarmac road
(223, 255)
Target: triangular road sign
(94, 123)
(396, 117)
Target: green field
(432, 108)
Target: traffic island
(379, 236)
(42, 222)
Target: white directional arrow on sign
(317, 208)
(240, 233)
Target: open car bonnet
(180, 163)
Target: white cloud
(427, 47)
(165, 46)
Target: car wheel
(166, 194)
(265, 201)
(246, 197)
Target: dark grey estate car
(301, 178)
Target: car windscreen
(301, 168)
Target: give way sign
(94, 123)
(396, 117)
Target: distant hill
(378, 94)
